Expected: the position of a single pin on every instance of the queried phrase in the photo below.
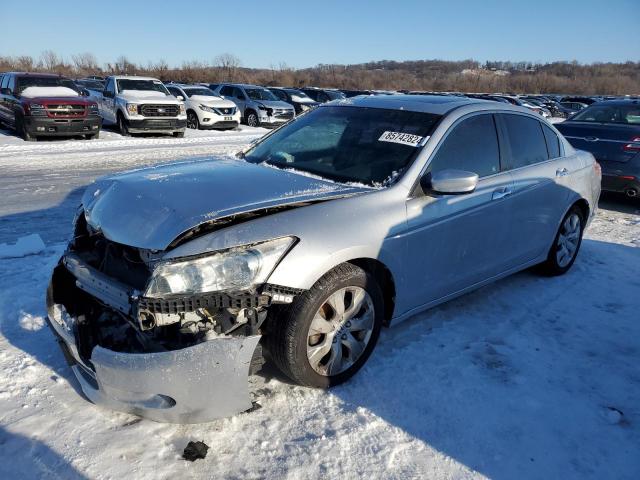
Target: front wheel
(122, 126)
(252, 119)
(329, 331)
(566, 245)
(21, 127)
(192, 121)
(178, 134)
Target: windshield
(260, 94)
(24, 82)
(202, 92)
(347, 144)
(92, 84)
(145, 85)
(629, 114)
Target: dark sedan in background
(610, 130)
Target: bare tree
(229, 64)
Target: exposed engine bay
(99, 284)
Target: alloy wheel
(568, 240)
(340, 331)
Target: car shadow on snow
(530, 377)
(25, 457)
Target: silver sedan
(355, 215)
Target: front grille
(282, 113)
(159, 110)
(64, 110)
(225, 111)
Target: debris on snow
(29, 245)
(195, 450)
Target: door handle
(562, 172)
(591, 139)
(501, 193)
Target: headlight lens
(237, 268)
(207, 109)
(182, 109)
(132, 108)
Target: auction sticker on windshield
(399, 137)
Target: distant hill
(429, 75)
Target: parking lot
(526, 378)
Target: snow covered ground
(528, 378)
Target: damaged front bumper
(197, 383)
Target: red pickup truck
(39, 104)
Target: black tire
(21, 128)
(122, 126)
(192, 120)
(178, 134)
(251, 119)
(552, 266)
(288, 338)
(93, 136)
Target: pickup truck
(39, 104)
(141, 105)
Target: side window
(227, 91)
(526, 140)
(471, 146)
(4, 81)
(323, 97)
(553, 142)
(109, 87)
(174, 91)
(11, 84)
(280, 94)
(238, 93)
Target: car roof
(248, 85)
(34, 74)
(132, 77)
(437, 104)
(616, 103)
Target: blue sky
(304, 34)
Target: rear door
(541, 179)
(456, 241)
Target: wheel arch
(385, 281)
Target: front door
(456, 241)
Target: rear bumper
(46, 126)
(195, 384)
(620, 183)
(157, 125)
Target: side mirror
(180, 97)
(449, 182)
(5, 91)
(107, 93)
(84, 92)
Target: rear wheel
(328, 333)
(566, 244)
(192, 120)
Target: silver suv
(356, 215)
(259, 106)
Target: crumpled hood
(151, 207)
(275, 104)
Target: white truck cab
(141, 105)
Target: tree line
(422, 75)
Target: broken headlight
(238, 268)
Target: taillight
(597, 168)
(633, 146)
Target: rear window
(627, 114)
(526, 140)
(553, 142)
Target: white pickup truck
(141, 105)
